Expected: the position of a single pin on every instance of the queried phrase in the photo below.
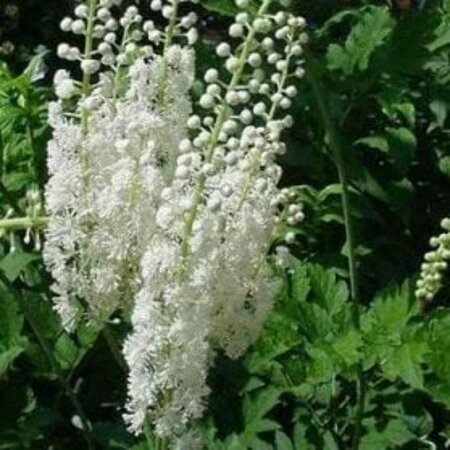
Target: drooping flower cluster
(436, 262)
(166, 213)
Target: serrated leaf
(255, 409)
(374, 25)
(348, 347)
(322, 366)
(329, 293)
(405, 362)
(391, 310)
(395, 434)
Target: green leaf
(348, 347)
(12, 343)
(396, 106)
(444, 166)
(405, 362)
(374, 25)
(439, 108)
(15, 262)
(66, 352)
(35, 70)
(402, 147)
(395, 434)
(322, 366)
(8, 355)
(377, 142)
(282, 442)
(439, 344)
(398, 143)
(329, 293)
(255, 408)
(390, 311)
(300, 283)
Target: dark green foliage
(384, 74)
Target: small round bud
(223, 50)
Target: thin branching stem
(335, 145)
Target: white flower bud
(242, 3)
(194, 122)
(226, 190)
(63, 50)
(236, 30)
(232, 64)
(255, 60)
(185, 146)
(211, 75)
(81, 11)
(207, 101)
(66, 24)
(90, 66)
(223, 50)
(259, 109)
(192, 36)
(78, 27)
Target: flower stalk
(334, 142)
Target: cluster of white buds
(436, 262)
(291, 212)
(166, 214)
(114, 40)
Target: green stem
(162, 444)
(88, 47)
(336, 147)
(23, 223)
(170, 34)
(149, 435)
(171, 29)
(89, 43)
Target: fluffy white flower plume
(166, 215)
(205, 279)
(105, 188)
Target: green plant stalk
(170, 36)
(335, 145)
(89, 42)
(88, 47)
(148, 435)
(24, 223)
